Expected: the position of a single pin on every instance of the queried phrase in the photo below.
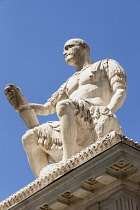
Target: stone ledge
(53, 172)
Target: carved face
(72, 52)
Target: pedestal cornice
(94, 175)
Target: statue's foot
(48, 169)
(51, 167)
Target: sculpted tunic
(87, 92)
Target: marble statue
(85, 105)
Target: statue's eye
(9, 90)
(68, 46)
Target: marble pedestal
(105, 176)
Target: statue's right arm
(43, 109)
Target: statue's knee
(28, 139)
(63, 107)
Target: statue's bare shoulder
(85, 105)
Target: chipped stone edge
(58, 169)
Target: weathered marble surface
(21, 105)
(85, 105)
(105, 163)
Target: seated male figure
(84, 104)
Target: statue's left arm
(50, 106)
(118, 84)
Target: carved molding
(91, 181)
(66, 198)
(55, 170)
(121, 166)
(44, 207)
(67, 195)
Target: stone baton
(21, 105)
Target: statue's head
(74, 50)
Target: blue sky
(32, 35)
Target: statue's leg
(68, 127)
(36, 156)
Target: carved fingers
(100, 110)
(105, 111)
